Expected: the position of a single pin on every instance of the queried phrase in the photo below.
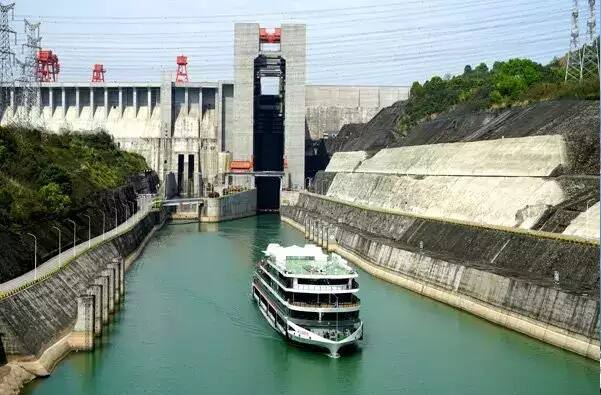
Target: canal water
(189, 327)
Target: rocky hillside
(46, 179)
(576, 120)
(378, 133)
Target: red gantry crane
(48, 66)
(182, 69)
(98, 73)
(266, 37)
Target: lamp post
(74, 234)
(89, 230)
(59, 243)
(103, 221)
(35, 256)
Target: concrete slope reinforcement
(502, 276)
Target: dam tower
(269, 107)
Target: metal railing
(312, 287)
(52, 265)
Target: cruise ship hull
(297, 333)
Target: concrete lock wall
(38, 316)
(483, 271)
(246, 48)
(238, 205)
(294, 51)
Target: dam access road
(189, 326)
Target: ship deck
(311, 267)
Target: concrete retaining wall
(38, 316)
(507, 201)
(346, 161)
(534, 156)
(586, 224)
(223, 208)
(504, 277)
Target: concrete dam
(216, 133)
(505, 229)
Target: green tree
(54, 201)
(482, 68)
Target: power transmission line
(590, 51)
(28, 80)
(7, 56)
(583, 62)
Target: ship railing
(324, 305)
(313, 287)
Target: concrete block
(533, 156)
(506, 201)
(82, 337)
(97, 291)
(116, 267)
(103, 281)
(346, 161)
(585, 224)
(110, 274)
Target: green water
(189, 327)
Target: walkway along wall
(505, 276)
(64, 312)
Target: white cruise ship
(309, 296)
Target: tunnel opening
(268, 129)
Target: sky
(365, 42)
